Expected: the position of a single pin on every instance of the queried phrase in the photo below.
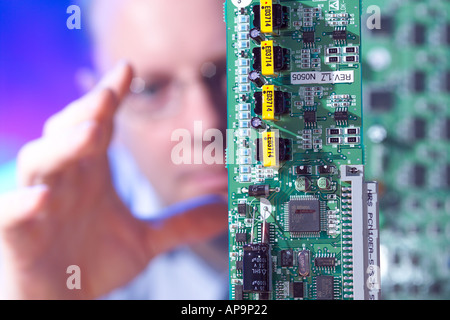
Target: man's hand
(67, 211)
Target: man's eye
(149, 89)
(153, 89)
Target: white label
(315, 77)
(241, 3)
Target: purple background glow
(39, 58)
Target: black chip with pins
(241, 237)
(298, 290)
(304, 215)
(341, 114)
(339, 35)
(325, 287)
(309, 36)
(287, 258)
(309, 116)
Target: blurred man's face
(177, 49)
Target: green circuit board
(406, 85)
(303, 223)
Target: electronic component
(295, 156)
(340, 35)
(341, 116)
(298, 290)
(241, 237)
(270, 17)
(242, 209)
(271, 102)
(310, 117)
(304, 215)
(257, 268)
(325, 262)
(269, 58)
(257, 123)
(256, 78)
(271, 151)
(308, 38)
(302, 170)
(325, 287)
(256, 35)
(304, 263)
(286, 258)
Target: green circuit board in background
(302, 219)
(406, 85)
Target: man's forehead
(160, 30)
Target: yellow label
(269, 149)
(266, 14)
(268, 102)
(267, 60)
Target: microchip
(298, 290)
(387, 24)
(339, 35)
(419, 81)
(341, 114)
(322, 262)
(447, 176)
(446, 129)
(238, 292)
(242, 209)
(419, 175)
(239, 265)
(309, 116)
(287, 258)
(325, 287)
(241, 237)
(309, 37)
(446, 81)
(304, 215)
(419, 34)
(381, 100)
(418, 128)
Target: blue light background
(39, 60)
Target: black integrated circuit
(310, 117)
(309, 37)
(339, 35)
(325, 287)
(304, 215)
(287, 258)
(298, 290)
(325, 262)
(341, 116)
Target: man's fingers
(193, 226)
(99, 104)
(118, 80)
(42, 158)
(21, 205)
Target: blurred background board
(298, 202)
(406, 85)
